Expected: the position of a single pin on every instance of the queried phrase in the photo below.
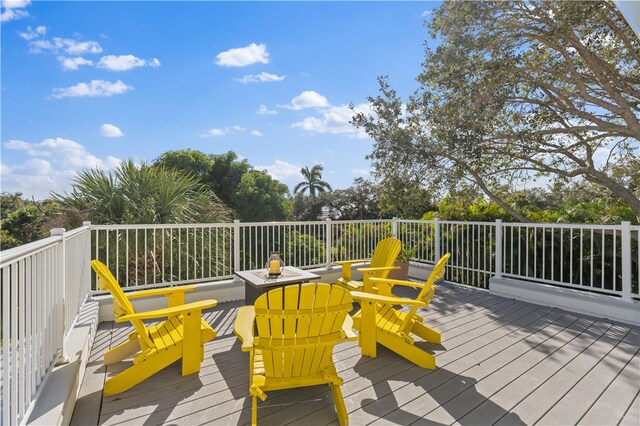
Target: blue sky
(91, 83)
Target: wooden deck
(501, 362)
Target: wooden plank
(475, 386)
(400, 385)
(575, 403)
(632, 416)
(617, 398)
(492, 347)
(537, 391)
(413, 384)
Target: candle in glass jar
(274, 267)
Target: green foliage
(24, 221)
(359, 201)
(303, 250)
(261, 198)
(516, 91)
(308, 208)
(142, 194)
(406, 254)
(223, 174)
(577, 203)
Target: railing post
(626, 260)
(498, 248)
(328, 243)
(394, 227)
(59, 290)
(236, 245)
(438, 248)
(86, 279)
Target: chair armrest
(390, 300)
(396, 282)
(349, 262)
(379, 268)
(168, 312)
(347, 327)
(160, 291)
(243, 327)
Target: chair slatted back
(298, 325)
(121, 304)
(385, 254)
(426, 294)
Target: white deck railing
(597, 258)
(43, 284)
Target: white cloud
(110, 131)
(67, 45)
(257, 133)
(335, 120)
(307, 99)
(94, 88)
(243, 56)
(125, 62)
(13, 9)
(212, 133)
(281, 170)
(263, 77)
(17, 145)
(30, 34)
(38, 176)
(221, 132)
(69, 64)
(263, 110)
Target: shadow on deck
(501, 362)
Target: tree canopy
(261, 198)
(515, 91)
(224, 174)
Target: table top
(289, 275)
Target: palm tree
(312, 181)
(142, 193)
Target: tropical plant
(142, 194)
(312, 181)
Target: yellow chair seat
(380, 322)
(290, 334)
(380, 264)
(181, 336)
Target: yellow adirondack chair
(182, 335)
(384, 256)
(297, 327)
(380, 322)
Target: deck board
(501, 361)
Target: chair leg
(341, 409)
(427, 333)
(410, 352)
(137, 373)
(367, 323)
(191, 343)
(121, 352)
(254, 411)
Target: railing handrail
(15, 254)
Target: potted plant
(402, 261)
